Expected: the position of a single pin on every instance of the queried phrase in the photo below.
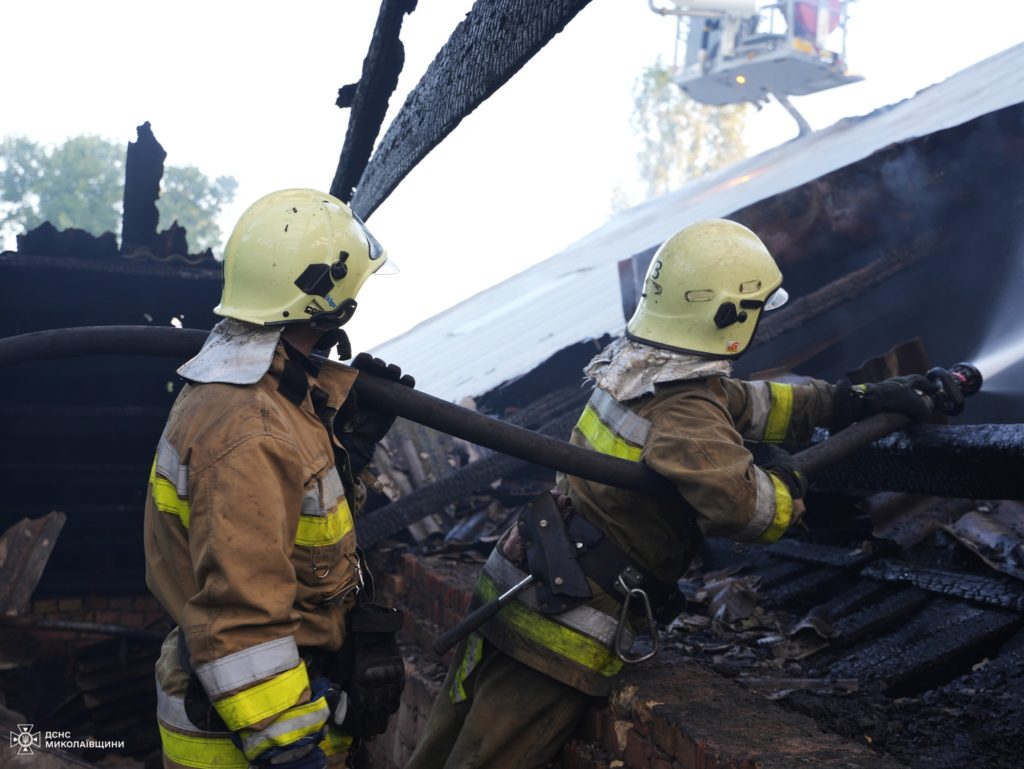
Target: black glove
(898, 394)
(359, 427)
(779, 463)
(370, 670)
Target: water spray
(999, 360)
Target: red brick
(636, 750)
(145, 602)
(45, 606)
(593, 725)
(122, 602)
(97, 602)
(73, 603)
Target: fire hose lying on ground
(954, 384)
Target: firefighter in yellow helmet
(279, 658)
(608, 560)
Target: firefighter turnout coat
(691, 431)
(250, 547)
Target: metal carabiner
(652, 625)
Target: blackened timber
(935, 642)
(807, 588)
(846, 288)
(780, 573)
(76, 626)
(368, 99)
(969, 587)
(862, 593)
(821, 555)
(143, 169)
(488, 47)
(871, 619)
(971, 461)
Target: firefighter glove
(360, 427)
(370, 669)
(901, 395)
(780, 463)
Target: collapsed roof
(831, 202)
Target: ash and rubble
(881, 618)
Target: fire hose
(954, 384)
(959, 381)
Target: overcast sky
(248, 90)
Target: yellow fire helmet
(705, 291)
(297, 256)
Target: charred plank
(944, 638)
(368, 98)
(870, 620)
(494, 41)
(965, 461)
(969, 587)
(819, 555)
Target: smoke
(1001, 354)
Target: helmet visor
(777, 299)
(387, 267)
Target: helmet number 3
(655, 274)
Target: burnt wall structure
(80, 433)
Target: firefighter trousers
(513, 717)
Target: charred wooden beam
(368, 98)
(91, 628)
(819, 555)
(932, 646)
(809, 587)
(969, 461)
(143, 170)
(969, 587)
(779, 573)
(823, 616)
(491, 44)
(868, 621)
(846, 288)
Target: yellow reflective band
(470, 657)
(201, 752)
(166, 498)
(604, 439)
(783, 513)
(570, 644)
(777, 426)
(335, 742)
(290, 727)
(275, 695)
(320, 530)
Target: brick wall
(135, 611)
(668, 713)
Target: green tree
(80, 183)
(680, 139)
(192, 199)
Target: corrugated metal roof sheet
(506, 330)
